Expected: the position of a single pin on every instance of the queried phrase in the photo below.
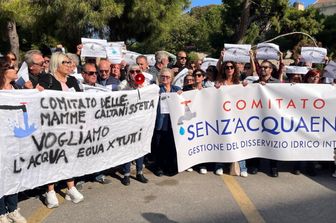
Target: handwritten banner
(50, 136)
(276, 121)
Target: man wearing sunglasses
(35, 63)
(104, 78)
(181, 62)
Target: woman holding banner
(9, 211)
(59, 79)
(229, 75)
(163, 147)
(134, 80)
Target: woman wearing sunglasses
(229, 75)
(9, 211)
(59, 79)
(130, 83)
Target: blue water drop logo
(182, 131)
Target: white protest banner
(150, 59)
(313, 54)
(208, 62)
(94, 48)
(90, 88)
(330, 70)
(115, 51)
(149, 78)
(178, 80)
(232, 123)
(237, 52)
(267, 51)
(23, 75)
(296, 70)
(130, 57)
(50, 136)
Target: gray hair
(159, 55)
(29, 56)
(73, 57)
(55, 60)
(164, 70)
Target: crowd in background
(69, 72)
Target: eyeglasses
(103, 71)
(67, 62)
(90, 73)
(265, 67)
(182, 58)
(39, 64)
(135, 71)
(163, 77)
(229, 67)
(198, 75)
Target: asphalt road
(195, 198)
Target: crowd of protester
(65, 71)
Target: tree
(66, 21)
(15, 13)
(248, 21)
(146, 24)
(327, 35)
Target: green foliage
(328, 34)
(246, 20)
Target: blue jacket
(163, 120)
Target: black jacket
(49, 82)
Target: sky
(208, 2)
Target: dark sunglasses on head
(90, 73)
(229, 67)
(135, 71)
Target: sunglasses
(135, 71)
(198, 75)
(163, 77)
(182, 58)
(90, 73)
(66, 62)
(229, 67)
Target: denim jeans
(242, 166)
(138, 164)
(8, 203)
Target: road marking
(43, 212)
(246, 206)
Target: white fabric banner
(51, 135)
(276, 121)
(313, 54)
(267, 51)
(237, 52)
(94, 47)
